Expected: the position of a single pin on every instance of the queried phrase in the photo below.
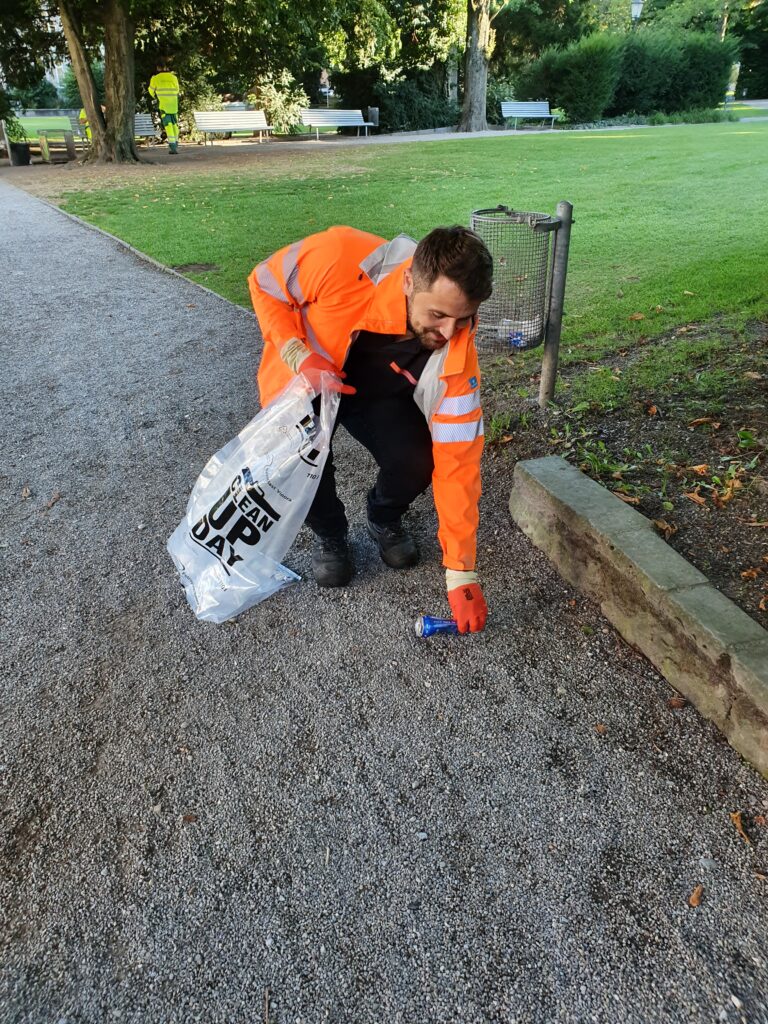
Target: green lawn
(669, 222)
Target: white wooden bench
(537, 110)
(213, 122)
(328, 117)
(144, 126)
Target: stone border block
(704, 644)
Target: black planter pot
(20, 155)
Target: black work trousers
(394, 431)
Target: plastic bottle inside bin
(520, 333)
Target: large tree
(480, 43)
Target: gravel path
(310, 815)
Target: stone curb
(705, 646)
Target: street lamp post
(636, 9)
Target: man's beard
(427, 339)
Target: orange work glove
(314, 365)
(468, 607)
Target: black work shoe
(331, 561)
(396, 546)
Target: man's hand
(315, 365)
(468, 607)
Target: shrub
(498, 89)
(412, 104)
(282, 99)
(699, 76)
(648, 60)
(581, 79)
(696, 115)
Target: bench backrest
(230, 120)
(143, 125)
(332, 118)
(527, 108)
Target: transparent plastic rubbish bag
(249, 503)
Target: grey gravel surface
(310, 815)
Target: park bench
(143, 127)
(53, 135)
(330, 118)
(214, 122)
(537, 110)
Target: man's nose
(448, 330)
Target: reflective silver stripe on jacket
(460, 405)
(291, 272)
(383, 260)
(268, 282)
(447, 432)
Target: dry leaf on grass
(695, 898)
(637, 316)
(702, 420)
(735, 817)
(685, 292)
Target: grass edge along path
(668, 226)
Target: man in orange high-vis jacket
(396, 321)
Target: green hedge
(638, 73)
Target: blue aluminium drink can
(428, 625)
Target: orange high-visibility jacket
(332, 285)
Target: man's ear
(408, 282)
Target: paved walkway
(310, 815)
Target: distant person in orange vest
(164, 87)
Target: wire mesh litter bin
(522, 247)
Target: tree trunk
(73, 35)
(120, 97)
(480, 38)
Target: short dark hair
(458, 254)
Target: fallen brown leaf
(695, 496)
(57, 496)
(189, 819)
(760, 819)
(751, 522)
(652, 410)
(659, 309)
(668, 529)
(751, 375)
(695, 898)
(701, 469)
(26, 493)
(627, 498)
(763, 877)
(735, 817)
(677, 703)
(704, 419)
(763, 606)
(637, 316)
(751, 574)
(600, 728)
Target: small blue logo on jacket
(473, 382)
